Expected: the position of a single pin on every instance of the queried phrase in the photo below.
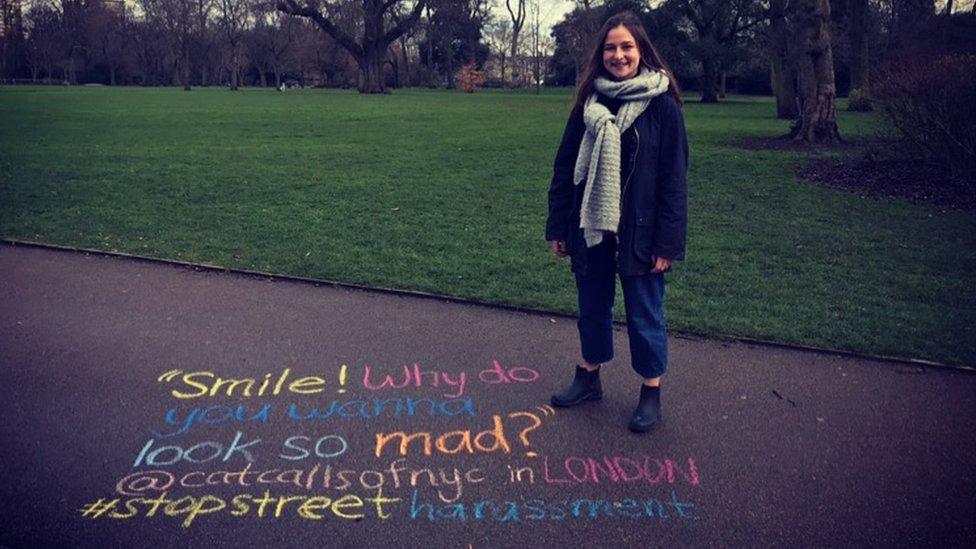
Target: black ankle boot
(648, 412)
(585, 386)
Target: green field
(446, 192)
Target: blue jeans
(644, 305)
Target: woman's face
(621, 58)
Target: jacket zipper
(623, 192)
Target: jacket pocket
(643, 238)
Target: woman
(618, 203)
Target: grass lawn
(446, 192)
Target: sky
(552, 11)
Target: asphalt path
(151, 405)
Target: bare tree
(370, 52)
(498, 34)
(541, 46)
(175, 18)
(112, 35)
(518, 20)
(44, 40)
(271, 40)
(204, 38)
(232, 16)
(815, 71)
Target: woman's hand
(660, 264)
(558, 247)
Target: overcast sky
(552, 11)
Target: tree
(175, 19)
(370, 52)
(541, 46)
(782, 58)
(589, 18)
(909, 20)
(407, 42)
(12, 41)
(518, 20)
(498, 33)
(74, 31)
(112, 37)
(232, 18)
(152, 50)
(815, 72)
(204, 39)
(454, 36)
(718, 25)
(44, 40)
(858, 33)
(271, 40)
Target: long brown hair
(650, 57)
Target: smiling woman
(618, 204)
(621, 57)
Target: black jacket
(653, 179)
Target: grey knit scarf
(598, 162)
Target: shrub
(858, 101)
(931, 106)
(470, 78)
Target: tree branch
(291, 7)
(403, 25)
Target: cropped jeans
(644, 305)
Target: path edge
(683, 334)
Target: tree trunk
(514, 54)
(234, 67)
(859, 46)
(263, 79)
(945, 24)
(204, 75)
(186, 67)
(395, 69)
(406, 62)
(371, 77)
(721, 85)
(277, 74)
(450, 69)
(709, 81)
(815, 68)
(518, 21)
(72, 76)
(782, 67)
(784, 87)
